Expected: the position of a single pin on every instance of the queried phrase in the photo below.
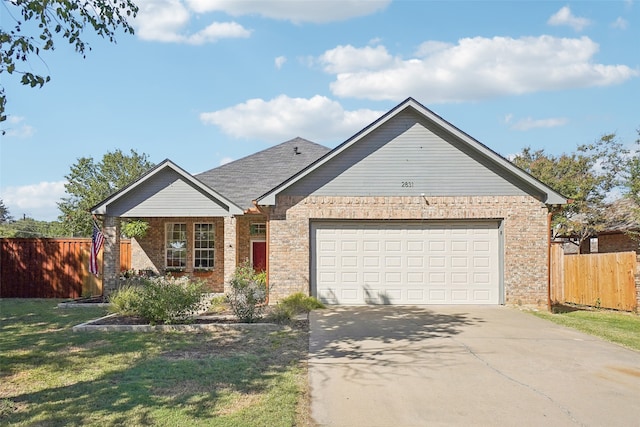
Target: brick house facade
(409, 172)
(525, 235)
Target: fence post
(557, 273)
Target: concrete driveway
(465, 365)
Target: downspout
(268, 222)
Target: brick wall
(148, 252)
(524, 223)
(617, 242)
(244, 236)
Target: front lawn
(619, 328)
(52, 376)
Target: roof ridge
(263, 152)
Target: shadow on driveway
(464, 365)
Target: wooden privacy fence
(597, 280)
(51, 268)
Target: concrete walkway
(445, 365)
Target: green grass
(53, 376)
(616, 327)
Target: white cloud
(279, 61)
(282, 118)
(225, 160)
(347, 59)
(16, 128)
(529, 123)
(295, 11)
(167, 20)
(565, 17)
(38, 201)
(620, 23)
(430, 47)
(474, 69)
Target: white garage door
(358, 262)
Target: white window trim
(213, 227)
(167, 229)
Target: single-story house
(622, 231)
(410, 210)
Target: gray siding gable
(166, 191)
(413, 152)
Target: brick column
(111, 259)
(230, 248)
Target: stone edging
(90, 326)
(82, 304)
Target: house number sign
(406, 184)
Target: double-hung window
(203, 242)
(176, 245)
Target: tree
(632, 175)
(586, 177)
(38, 25)
(31, 228)
(631, 182)
(4, 213)
(89, 183)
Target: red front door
(259, 255)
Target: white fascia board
(101, 208)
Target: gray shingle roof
(243, 180)
(622, 216)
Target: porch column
(111, 255)
(230, 249)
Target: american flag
(97, 239)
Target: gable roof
(245, 179)
(550, 196)
(167, 166)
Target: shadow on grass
(568, 308)
(58, 377)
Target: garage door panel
(405, 263)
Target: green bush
(248, 294)
(126, 300)
(293, 305)
(301, 303)
(165, 300)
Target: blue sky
(203, 82)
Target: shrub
(292, 305)
(281, 314)
(248, 293)
(126, 300)
(301, 303)
(160, 299)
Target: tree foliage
(4, 213)
(586, 177)
(37, 26)
(632, 175)
(31, 228)
(89, 183)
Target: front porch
(205, 248)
